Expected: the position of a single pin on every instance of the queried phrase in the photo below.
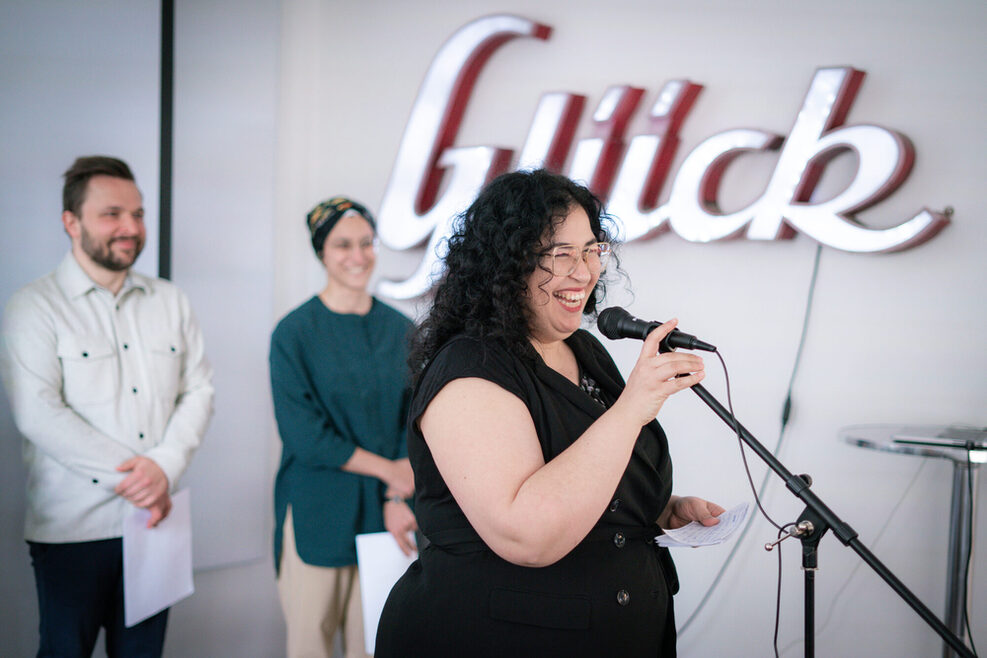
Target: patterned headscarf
(325, 215)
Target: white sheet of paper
(157, 562)
(381, 563)
(696, 534)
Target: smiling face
(109, 230)
(349, 253)
(556, 303)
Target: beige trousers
(318, 601)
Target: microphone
(615, 322)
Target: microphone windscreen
(610, 320)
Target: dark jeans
(80, 590)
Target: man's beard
(102, 255)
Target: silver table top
(943, 441)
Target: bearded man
(110, 388)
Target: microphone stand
(815, 520)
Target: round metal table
(967, 449)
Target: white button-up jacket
(94, 379)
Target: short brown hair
(77, 178)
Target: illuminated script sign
(630, 176)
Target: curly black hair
(491, 254)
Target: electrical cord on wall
(785, 415)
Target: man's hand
(159, 511)
(399, 520)
(146, 485)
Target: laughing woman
(541, 477)
(340, 387)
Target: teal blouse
(339, 381)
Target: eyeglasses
(562, 260)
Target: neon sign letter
(410, 211)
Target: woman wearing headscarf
(339, 381)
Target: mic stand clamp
(798, 530)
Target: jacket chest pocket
(90, 370)
(166, 355)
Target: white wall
(225, 109)
(226, 82)
(871, 355)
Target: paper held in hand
(696, 534)
(157, 562)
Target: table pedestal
(960, 534)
